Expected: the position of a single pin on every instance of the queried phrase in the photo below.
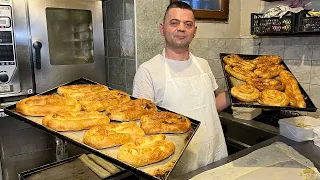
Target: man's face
(178, 28)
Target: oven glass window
(69, 36)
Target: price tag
(4, 88)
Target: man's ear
(195, 31)
(161, 29)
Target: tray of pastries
(132, 133)
(263, 81)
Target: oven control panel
(8, 63)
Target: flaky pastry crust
(80, 90)
(286, 77)
(239, 73)
(273, 98)
(269, 72)
(164, 122)
(110, 135)
(292, 89)
(132, 110)
(235, 60)
(262, 84)
(74, 121)
(46, 104)
(295, 95)
(100, 101)
(245, 92)
(266, 60)
(146, 150)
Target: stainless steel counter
(249, 123)
(307, 149)
(241, 134)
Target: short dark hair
(177, 4)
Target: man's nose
(181, 27)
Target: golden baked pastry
(46, 104)
(239, 73)
(99, 101)
(74, 121)
(235, 60)
(132, 110)
(269, 72)
(245, 92)
(164, 122)
(80, 90)
(286, 77)
(262, 84)
(146, 150)
(292, 89)
(272, 97)
(110, 135)
(266, 60)
(295, 95)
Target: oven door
(67, 40)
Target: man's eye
(189, 24)
(173, 23)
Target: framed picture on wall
(209, 9)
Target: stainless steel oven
(43, 44)
(47, 43)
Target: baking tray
(159, 171)
(68, 169)
(231, 82)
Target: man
(183, 83)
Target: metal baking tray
(68, 169)
(159, 171)
(231, 82)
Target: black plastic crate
(273, 25)
(307, 24)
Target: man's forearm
(222, 101)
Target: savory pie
(110, 135)
(245, 92)
(164, 122)
(146, 150)
(132, 110)
(101, 100)
(74, 121)
(81, 90)
(46, 104)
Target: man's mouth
(180, 36)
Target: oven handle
(37, 48)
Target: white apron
(194, 97)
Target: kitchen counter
(241, 134)
(307, 149)
(250, 123)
